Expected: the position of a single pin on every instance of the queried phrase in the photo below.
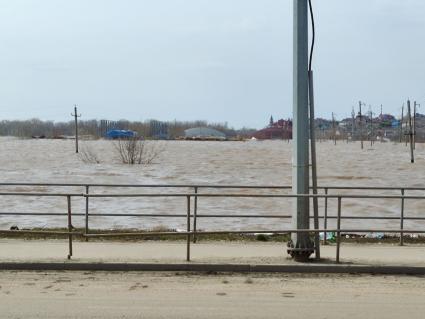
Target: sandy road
(12, 250)
(170, 295)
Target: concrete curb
(207, 268)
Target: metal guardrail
(192, 234)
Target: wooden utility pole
(76, 116)
(414, 124)
(361, 123)
(353, 121)
(406, 133)
(371, 125)
(412, 158)
(333, 128)
(401, 124)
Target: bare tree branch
(137, 151)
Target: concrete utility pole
(76, 116)
(300, 247)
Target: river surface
(187, 162)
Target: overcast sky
(217, 60)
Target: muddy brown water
(186, 162)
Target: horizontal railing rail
(358, 196)
(115, 185)
(255, 195)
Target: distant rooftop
(203, 132)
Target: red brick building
(281, 129)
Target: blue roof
(120, 134)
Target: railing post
(188, 230)
(69, 227)
(402, 217)
(195, 211)
(87, 212)
(338, 237)
(325, 221)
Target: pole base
(299, 254)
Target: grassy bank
(133, 237)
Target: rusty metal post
(69, 226)
(338, 237)
(402, 218)
(325, 220)
(195, 212)
(188, 230)
(87, 212)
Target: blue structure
(116, 134)
(395, 123)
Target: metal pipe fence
(193, 216)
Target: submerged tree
(135, 150)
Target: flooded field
(185, 162)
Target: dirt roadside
(171, 295)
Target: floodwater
(187, 162)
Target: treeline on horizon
(98, 128)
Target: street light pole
(301, 246)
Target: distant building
(105, 126)
(386, 117)
(120, 134)
(282, 129)
(204, 133)
(158, 130)
(322, 124)
(347, 122)
(395, 123)
(385, 120)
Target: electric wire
(313, 38)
